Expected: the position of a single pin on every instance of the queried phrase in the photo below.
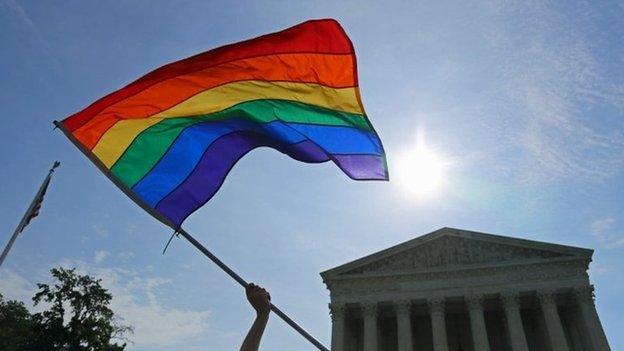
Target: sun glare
(421, 172)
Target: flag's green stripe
(151, 144)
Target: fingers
(254, 289)
(259, 298)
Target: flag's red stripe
(329, 70)
(317, 36)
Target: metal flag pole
(28, 214)
(243, 283)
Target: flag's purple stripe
(363, 167)
(214, 166)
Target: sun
(421, 172)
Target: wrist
(263, 314)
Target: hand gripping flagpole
(243, 283)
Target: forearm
(252, 341)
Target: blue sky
(524, 100)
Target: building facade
(456, 290)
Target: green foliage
(16, 325)
(77, 317)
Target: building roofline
(564, 249)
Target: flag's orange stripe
(329, 70)
(318, 36)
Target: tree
(77, 317)
(16, 326)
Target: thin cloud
(100, 230)
(20, 20)
(599, 269)
(15, 287)
(100, 256)
(17, 12)
(126, 255)
(548, 89)
(606, 232)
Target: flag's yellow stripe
(224, 96)
(113, 143)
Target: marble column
(404, 325)
(477, 322)
(437, 309)
(556, 335)
(511, 305)
(573, 323)
(370, 326)
(585, 298)
(338, 316)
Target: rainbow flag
(169, 139)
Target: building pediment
(452, 249)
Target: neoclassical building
(456, 290)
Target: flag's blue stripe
(187, 150)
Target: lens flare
(421, 171)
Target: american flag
(38, 201)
